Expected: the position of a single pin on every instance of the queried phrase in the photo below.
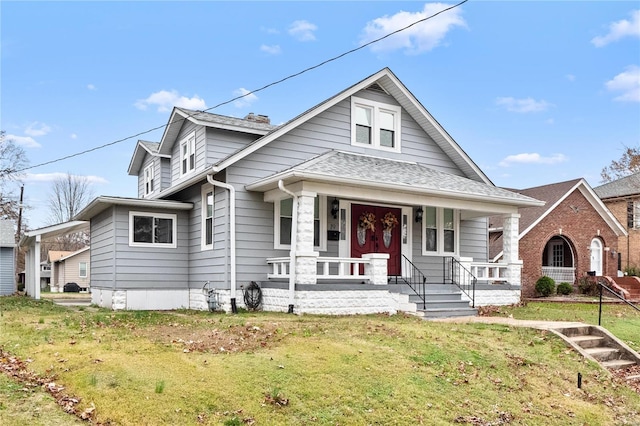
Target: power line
(311, 68)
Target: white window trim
(440, 231)
(86, 269)
(203, 237)
(152, 174)
(322, 212)
(375, 128)
(174, 229)
(190, 141)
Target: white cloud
(73, 136)
(26, 141)
(523, 105)
(271, 50)
(270, 30)
(36, 129)
(165, 100)
(532, 158)
(619, 30)
(419, 38)
(247, 100)
(628, 83)
(91, 87)
(50, 177)
(303, 30)
(570, 77)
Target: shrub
(545, 286)
(564, 288)
(632, 271)
(588, 286)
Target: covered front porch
(409, 225)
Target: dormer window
(149, 180)
(188, 154)
(375, 125)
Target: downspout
(232, 236)
(294, 243)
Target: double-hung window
(149, 180)
(440, 231)
(152, 229)
(284, 223)
(375, 125)
(82, 272)
(188, 154)
(633, 215)
(207, 217)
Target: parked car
(71, 288)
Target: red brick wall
(579, 228)
(629, 247)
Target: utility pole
(19, 234)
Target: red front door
(383, 238)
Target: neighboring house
(45, 275)
(70, 267)
(571, 235)
(7, 258)
(622, 197)
(367, 184)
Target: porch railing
(490, 272)
(414, 278)
(560, 274)
(345, 268)
(455, 273)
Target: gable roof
(71, 254)
(207, 119)
(339, 167)
(142, 149)
(553, 195)
(392, 85)
(55, 255)
(623, 187)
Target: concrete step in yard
(598, 344)
(441, 301)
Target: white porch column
(306, 258)
(510, 248)
(376, 269)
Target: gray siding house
(376, 197)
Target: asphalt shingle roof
(226, 120)
(355, 167)
(626, 186)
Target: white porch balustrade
(490, 272)
(560, 274)
(337, 268)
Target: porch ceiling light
(419, 214)
(335, 206)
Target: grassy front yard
(193, 368)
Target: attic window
(375, 125)
(149, 180)
(188, 154)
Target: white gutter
(292, 253)
(232, 237)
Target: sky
(534, 92)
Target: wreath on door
(367, 221)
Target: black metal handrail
(601, 286)
(455, 273)
(415, 279)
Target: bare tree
(628, 164)
(69, 195)
(13, 160)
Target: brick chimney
(258, 118)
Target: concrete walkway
(542, 325)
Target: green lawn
(193, 368)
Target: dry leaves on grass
(235, 338)
(17, 369)
(621, 375)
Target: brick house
(572, 234)
(622, 198)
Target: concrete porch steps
(597, 344)
(441, 301)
